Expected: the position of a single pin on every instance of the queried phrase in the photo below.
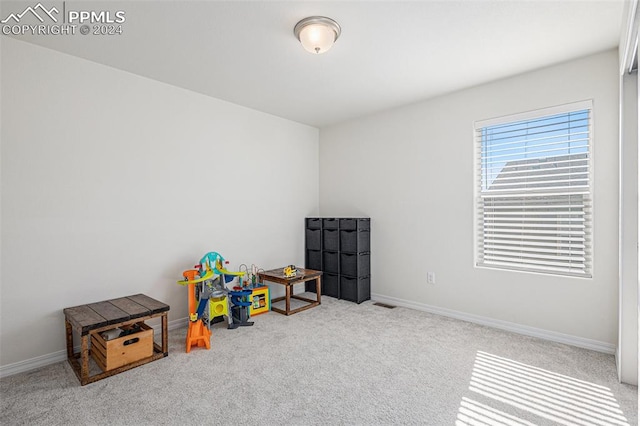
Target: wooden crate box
(114, 353)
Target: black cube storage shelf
(340, 247)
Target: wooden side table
(277, 276)
(97, 317)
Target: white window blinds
(534, 191)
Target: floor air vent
(384, 305)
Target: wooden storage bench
(120, 354)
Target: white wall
(113, 184)
(411, 170)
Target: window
(533, 204)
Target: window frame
(478, 169)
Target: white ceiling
(390, 53)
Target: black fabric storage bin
(330, 285)
(354, 265)
(314, 241)
(349, 224)
(331, 239)
(355, 289)
(354, 241)
(314, 260)
(330, 262)
(330, 223)
(354, 224)
(314, 223)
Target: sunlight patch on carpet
(476, 413)
(556, 397)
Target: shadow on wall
(547, 395)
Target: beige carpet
(339, 363)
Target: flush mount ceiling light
(317, 33)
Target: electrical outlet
(431, 277)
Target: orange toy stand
(198, 335)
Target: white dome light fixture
(317, 33)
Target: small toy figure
(290, 271)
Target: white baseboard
(553, 336)
(52, 358)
